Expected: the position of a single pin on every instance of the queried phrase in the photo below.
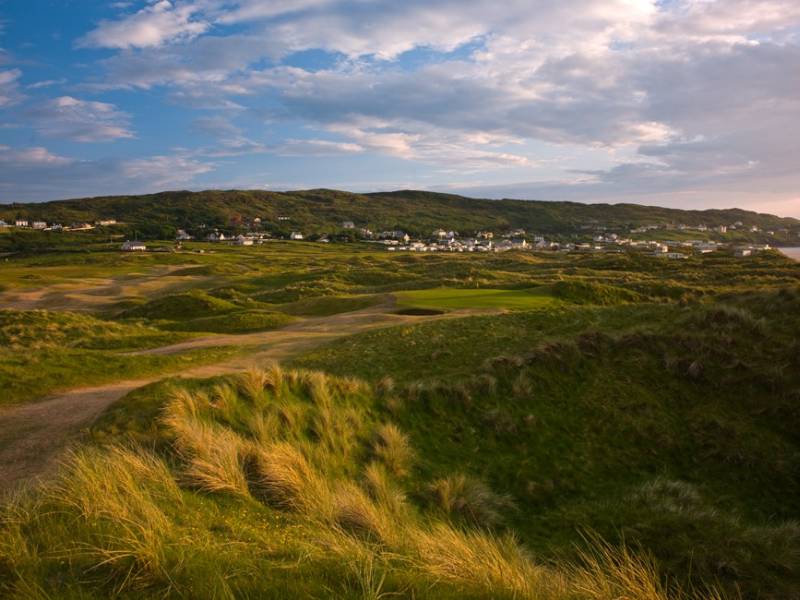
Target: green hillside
(324, 210)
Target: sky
(681, 103)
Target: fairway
(454, 299)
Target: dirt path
(33, 436)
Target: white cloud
(31, 157)
(159, 23)
(681, 95)
(164, 171)
(9, 87)
(315, 147)
(80, 120)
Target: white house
(182, 236)
(297, 236)
(216, 237)
(39, 225)
(348, 225)
(21, 223)
(133, 246)
(243, 240)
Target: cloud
(9, 87)
(80, 120)
(293, 147)
(694, 98)
(158, 23)
(36, 174)
(46, 83)
(35, 157)
(164, 171)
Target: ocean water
(791, 252)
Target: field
(520, 425)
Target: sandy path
(34, 436)
(98, 292)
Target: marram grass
(246, 503)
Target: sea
(791, 252)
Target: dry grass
(393, 449)
(247, 440)
(471, 499)
(212, 454)
(281, 476)
(479, 561)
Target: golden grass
(393, 449)
(125, 502)
(471, 499)
(212, 454)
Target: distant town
(443, 240)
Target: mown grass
(278, 484)
(454, 299)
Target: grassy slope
(41, 352)
(670, 427)
(670, 423)
(279, 484)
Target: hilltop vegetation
(159, 215)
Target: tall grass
(119, 516)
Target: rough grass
(222, 513)
(329, 305)
(187, 305)
(235, 322)
(41, 328)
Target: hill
(158, 215)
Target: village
(443, 240)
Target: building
(106, 222)
(216, 237)
(742, 252)
(133, 246)
(182, 236)
(39, 225)
(3, 224)
(721, 229)
(297, 236)
(348, 225)
(243, 240)
(21, 223)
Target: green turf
(455, 299)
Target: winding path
(33, 436)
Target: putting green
(452, 298)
